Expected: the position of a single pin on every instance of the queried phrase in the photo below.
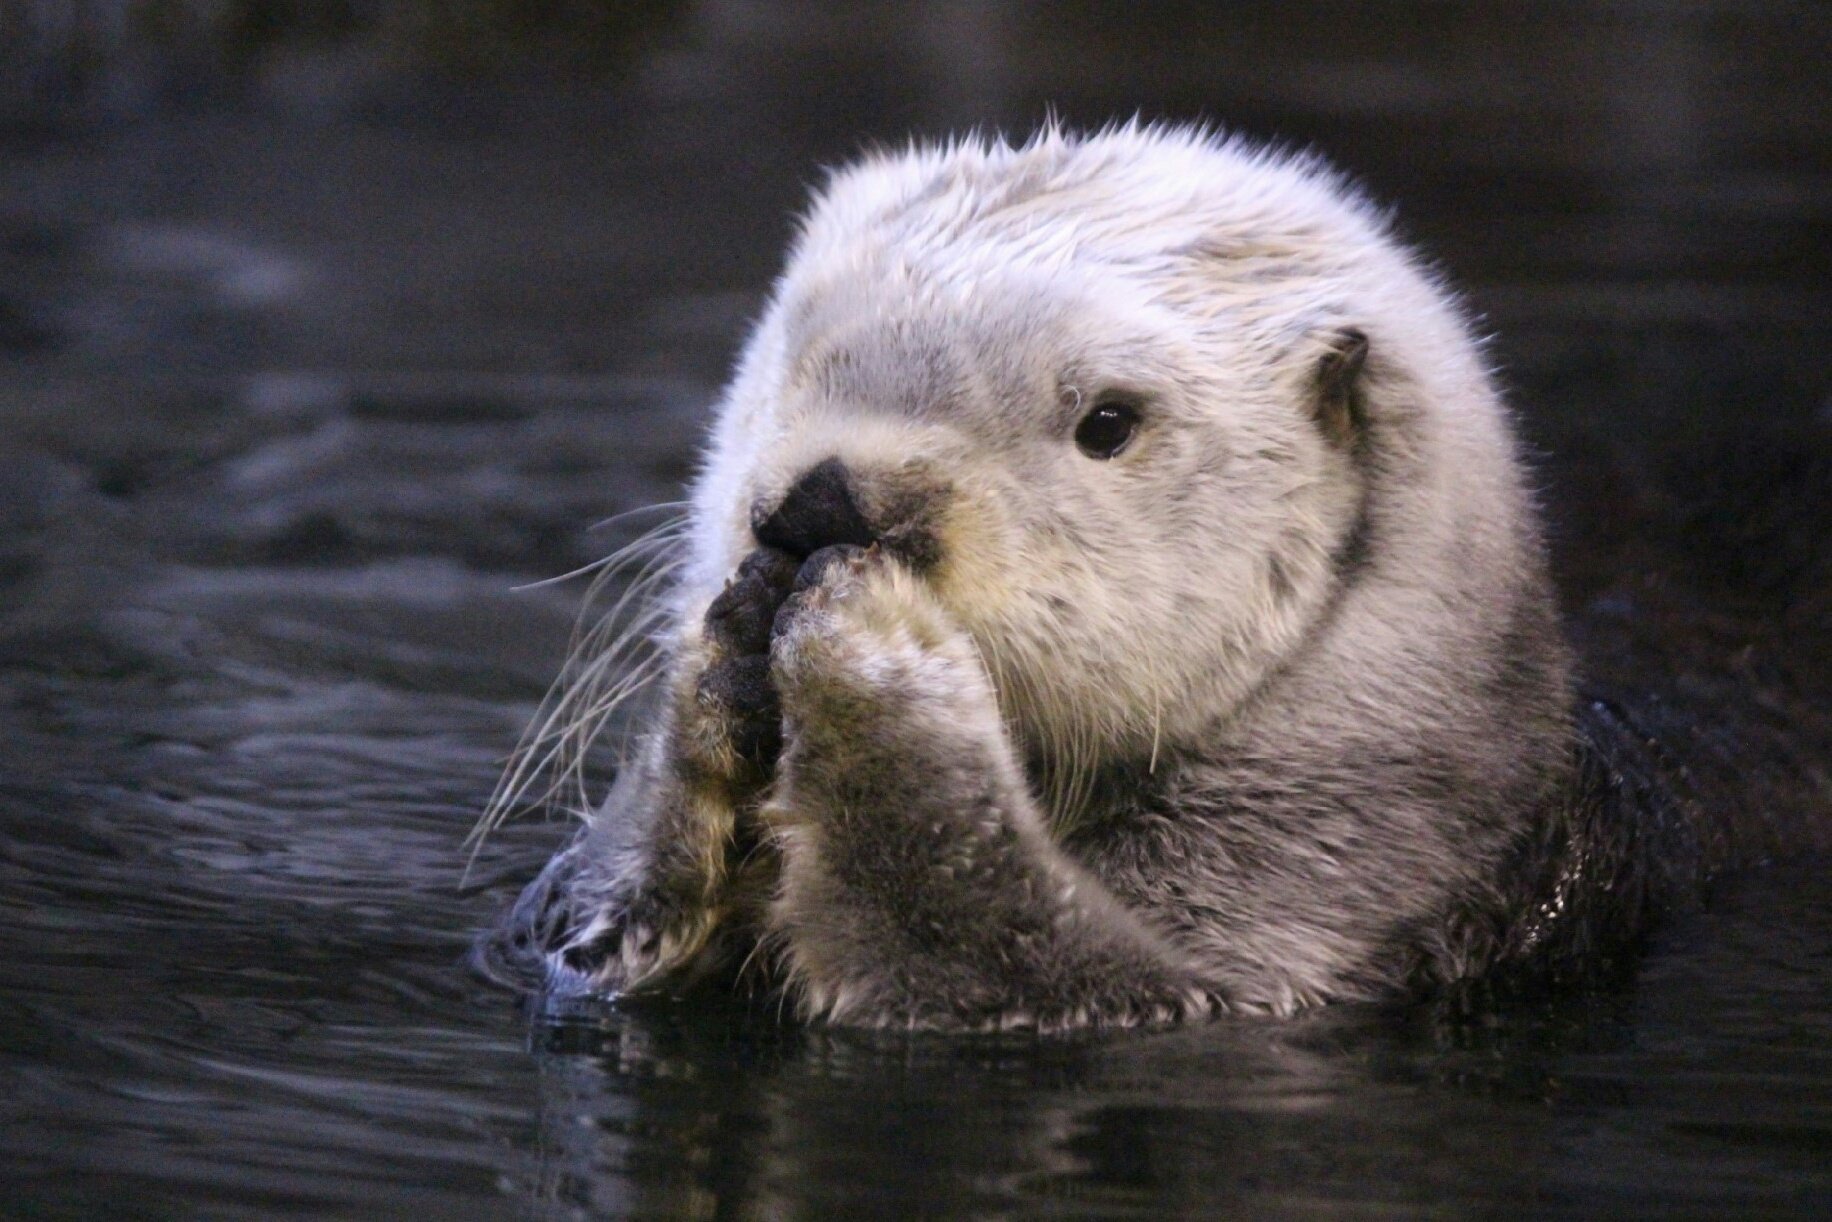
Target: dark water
(315, 343)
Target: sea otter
(1112, 593)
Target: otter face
(1115, 472)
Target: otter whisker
(616, 670)
(576, 681)
(606, 664)
(1157, 723)
(676, 508)
(648, 542)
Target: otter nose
(819, 510)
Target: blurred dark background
(323, 324)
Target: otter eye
(1107, 429)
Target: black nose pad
(818, 511)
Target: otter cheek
(983, 561)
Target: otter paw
(733, 719)
(859, 619)
(738, 621)
(628, 943)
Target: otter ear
(1338, 404)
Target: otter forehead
(921, 277)
(1128, 195)
(1133, 197)
(917, 344)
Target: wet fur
(974, 731)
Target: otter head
(1125, 403)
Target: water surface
(308, 357)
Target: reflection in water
(1345, 1108)
(310, 351)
